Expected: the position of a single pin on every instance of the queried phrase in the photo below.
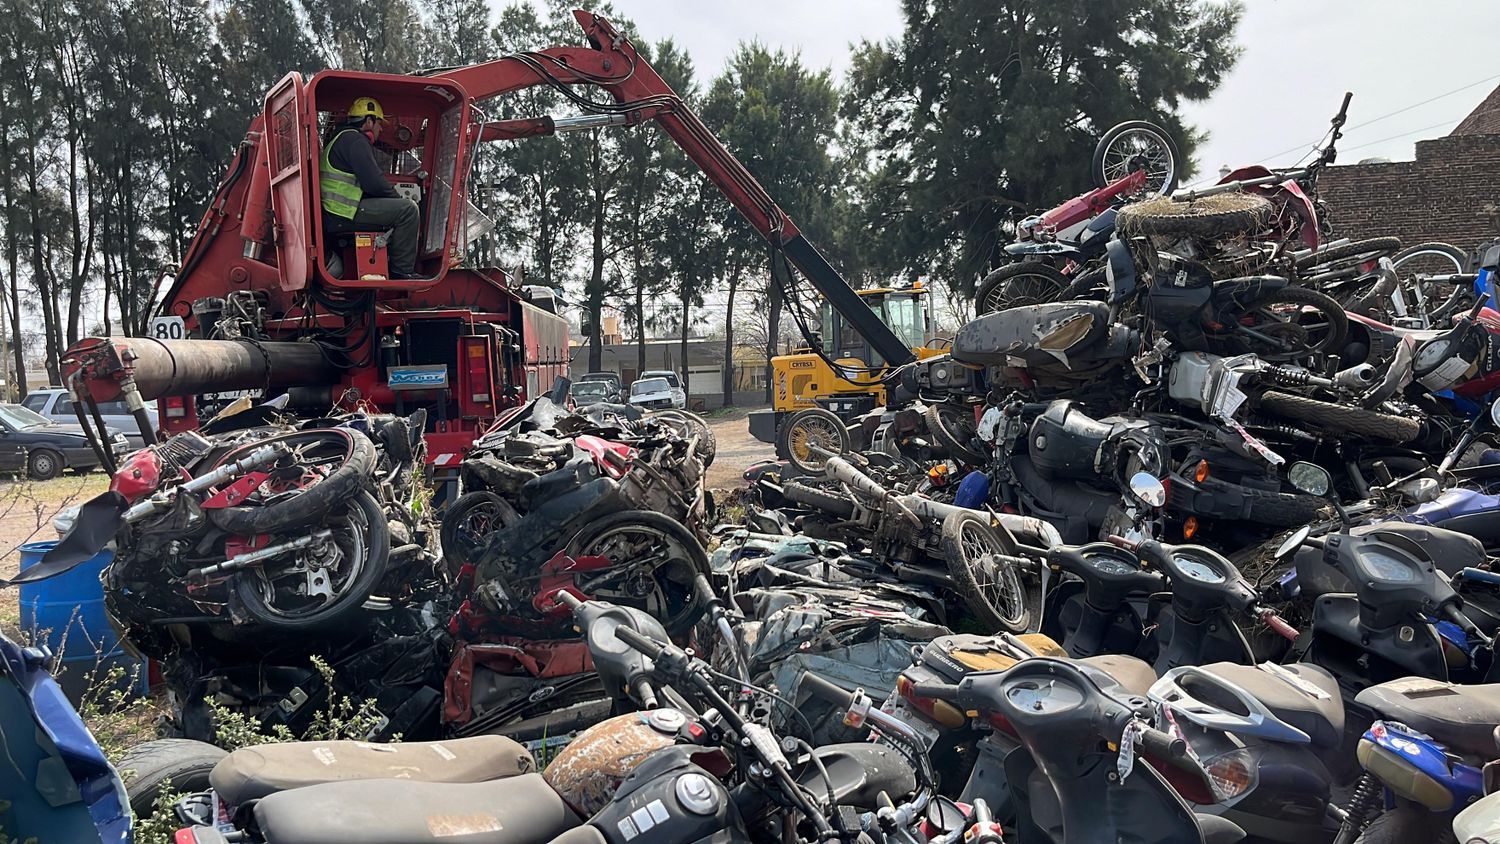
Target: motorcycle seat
(1039, 334)
(1134, 675)
(1322, 718)
(251, 773)
(519, 810)
(1461, 717)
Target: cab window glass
(35, 401)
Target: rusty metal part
(589, 770)
(191, 367)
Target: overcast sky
(1300, 56)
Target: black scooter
(1090, 769)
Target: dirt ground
(737, 449)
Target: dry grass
(26, 511)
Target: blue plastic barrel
(66, 613)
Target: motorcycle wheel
(1341, 419)
(363, 539)
(1132, 144)
(990, 586)
(1282, 331)
(687, 423)
(467, 522)
(813, 427)
(1018, 285)
(1404, 825)
(832, 503)
(326, 467)
(1207, 217)
(179, 764)
(1344, 255)
(954, 430)
(656, 556)
(1438, 302)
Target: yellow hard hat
(366, 107)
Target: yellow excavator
(811, 402)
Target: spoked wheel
(980, 562)
(1437, 302)
(474, 516)
(319, 469)
(807, 432)
(653, 561)
(1290, 324)
(323, 582)
(1018, 285)
(1137, 145)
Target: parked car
(679, 396)
(654, 393)
(57, 405)
(42, 448)
(585, 393)
(616, 386)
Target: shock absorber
(1287, 376)
(1364, 806)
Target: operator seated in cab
(357, 196)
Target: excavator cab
(423, 148)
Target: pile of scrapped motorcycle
(1191, 546)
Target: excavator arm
(641, 94)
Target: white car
(654, 394)
(679, 396)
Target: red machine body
(265, 305)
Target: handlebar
(857, 707)
(936, 691)
(1127, 544)
(568, 599)
(1162, 745)
(638, 642)
(1279, 624)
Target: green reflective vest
(339, 189)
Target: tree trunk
(640, 316)
(687, 308)
(773, 325)
(728, 379)
(13, 263)
(596, 289)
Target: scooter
(1089, 768)
(660, 773)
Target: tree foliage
(984, 109)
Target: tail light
(173, 407)
(1200, 473)
(940, 711)
(1231, 774)
(476, 357)
(1190, 527)
(1192, 786)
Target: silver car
(57, 405)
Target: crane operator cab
(422, 149)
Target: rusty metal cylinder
(192, 367)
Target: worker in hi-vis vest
(355, 193)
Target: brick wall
(1450, 193)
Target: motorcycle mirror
(1148, 490)
(1495, 413)
(1310, 478)
(1293, 542)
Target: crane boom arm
(640, 94)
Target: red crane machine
(266, 300)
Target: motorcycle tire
(344, 609)
(1369, 249)
(1019, 285)
(1341, 419)
(152, 767)
(687, 424)
(1208, 217)
(460, 532)
(813, 426)
(832, 503)
(991, 589)
(1147, 133)
(1338, 322)
(954, 433)
(1280, 509)
(680, 605)
(306, 508)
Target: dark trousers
(395, 214)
